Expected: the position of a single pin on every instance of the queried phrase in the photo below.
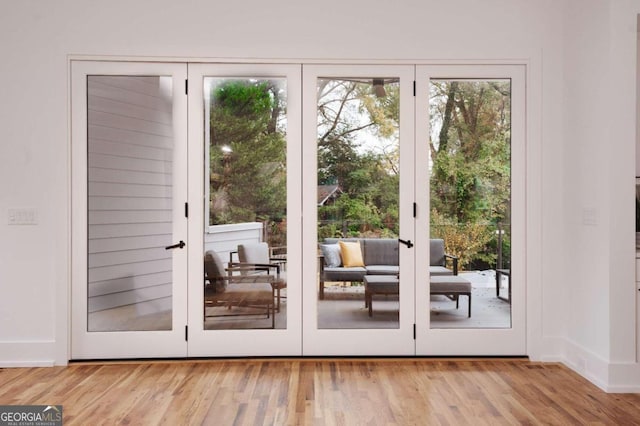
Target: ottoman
(379, 284)
(452, 286)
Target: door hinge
(414, 332)
(414, 87)
(186, 209)
(415, 209)
(186, 87)
(186, 333)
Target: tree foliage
(471, 164)
(358, 152)
(247, 152)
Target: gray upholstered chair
(438, 259)
(233, 287)
(255, 259)
(259, 254)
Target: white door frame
(255, 342)
(357, 341)
(458, 342)
(508, 341)
(127, 344)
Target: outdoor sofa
(351, 259)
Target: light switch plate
(23, 216)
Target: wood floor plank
(319, 392)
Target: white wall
(586, 79)
(623, 370)
(599, 139)
(570, 263)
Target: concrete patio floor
(343, 308)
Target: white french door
(358, 127)
(129, 188)
(170, 178)
(470, 192)
(245, 191)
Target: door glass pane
(130, 203)
(470, 203)
(246, 209)
(357, 196)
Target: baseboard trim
(27, 354)
(610, 377)
(588, 366)
(624, 378)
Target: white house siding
(224, 239)
(130, 149)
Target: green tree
(368, 179)
(247, 152)
(471, 170)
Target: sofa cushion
(344, 274)
(453, 284)
(254, 253)
(331, 253)
(439, 271)
(214, 271)
(382, 269)
(436, 249)
(351, 254)
(379, 284)
(334, 240)
(381, 251)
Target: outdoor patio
(343, 308)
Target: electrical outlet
(26, 216)
(589, 216)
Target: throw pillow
(214, 271)
(331, 253)
(351, 254)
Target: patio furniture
(438, 259)
(452, 286)
(234, 287)
(259, 254)
(378, 284)
(379, 256)
(255, 259)
(499, 274)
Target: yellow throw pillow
(351, 254)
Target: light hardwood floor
(406, 391)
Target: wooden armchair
(237, 286)
(259, 258)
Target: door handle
(407, 243)
(181, 244)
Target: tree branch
(336, 119)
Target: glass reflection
(130, 203)
(470, 211)
(245, 240)
(358, 183)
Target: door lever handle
(181, 244)
(407, 243)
